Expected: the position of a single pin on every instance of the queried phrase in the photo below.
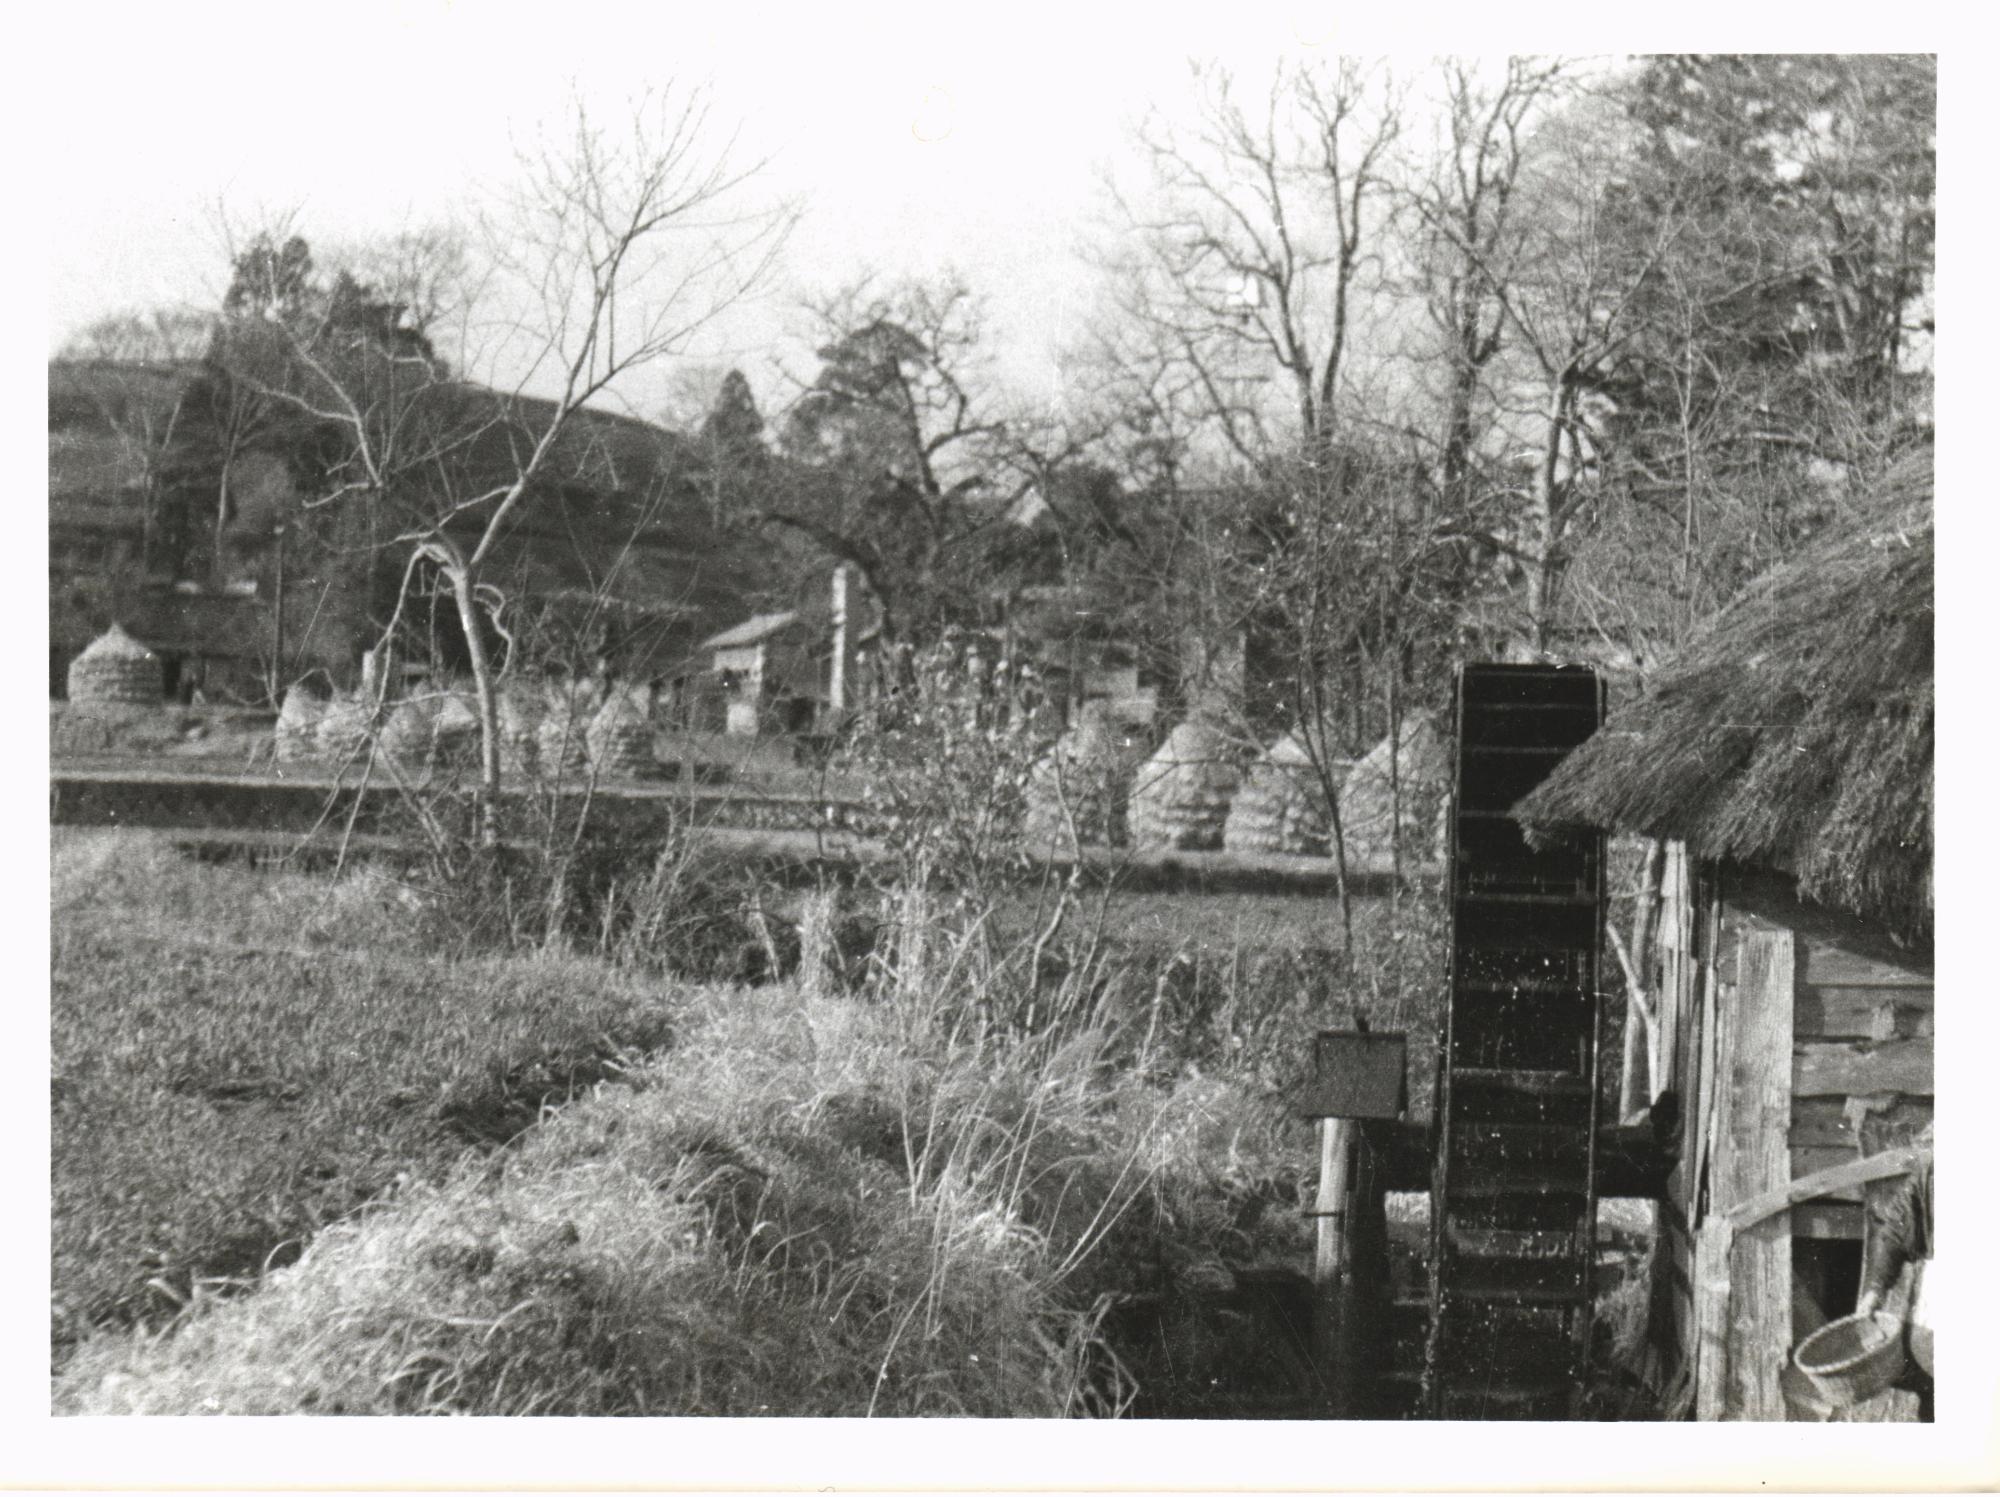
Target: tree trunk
(1395, 715)
(463, 592)
(1544, 543)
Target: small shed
(750, 661)
(788, 671)
(1785, 758)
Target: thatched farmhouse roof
(623, 528)
(1796, 730)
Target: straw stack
(116, 671)
(344, 726)
(455, 728)
(520, 710)
(1180, 797)
(406, 736)
(562, 741)
(1420, 785)
(621, 738)
(1281, 806)
(296, 735)
(1084, 778)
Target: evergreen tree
(733, 427)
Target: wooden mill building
(1785, 757)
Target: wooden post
(817, 943)
(1752, 1156)
(1687, 1008)
(1713, 1046)
(1709, 1048)
(1330, 1251)
(1336, 1139)
(1677, 965)
(1711, 1317)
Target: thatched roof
(623, 530)
(759, 626)
(1796, 730)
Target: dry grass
(808, 1207)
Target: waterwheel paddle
(1513, 1188)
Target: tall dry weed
(793, 1213)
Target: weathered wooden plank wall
(1805, 1044)
(1863, 1059)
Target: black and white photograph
(1220, 728)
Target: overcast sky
(919, 137)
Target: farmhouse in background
(1786, 759)
(196, 531)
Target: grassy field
(304, 1162)
(240, 1057)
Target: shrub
(942, 767)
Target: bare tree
(164, 337)
(617, 248)
(1469, 231)
(1246, 249)
(1567, 296)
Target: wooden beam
(1677, 960)
(1891, 1162)
(1829, 1123)
(1827, 1220)
(1336, 1143)
(1712, 1238)
(1832, 1068)
(1825, 965)
(1864, 1013)
(1330, 1251)
(1752, 1158)
(1708, 1049)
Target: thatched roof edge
(1796, 730)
